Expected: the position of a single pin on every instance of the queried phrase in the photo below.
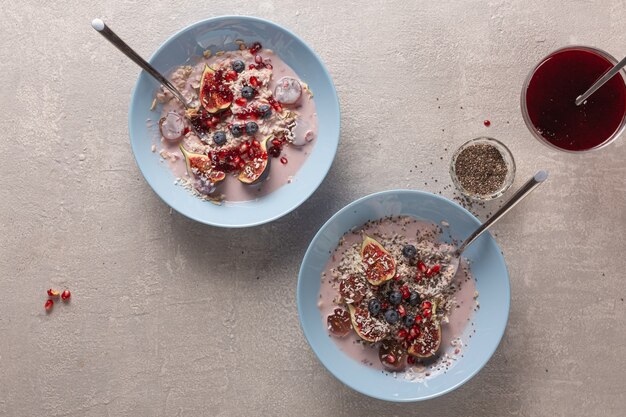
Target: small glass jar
(506, 156)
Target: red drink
(553, 86)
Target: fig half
(214, 94)
(257, 168)
(367, 327)
(200, 164)
(379, 264)
(428, 341)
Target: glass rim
(529, 124)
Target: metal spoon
(530, 185)
(601, 81)
(109, 35)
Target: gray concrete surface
(169, 319)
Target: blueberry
(251, 128)
(414, 299)
(265, 110)
(409, 251)
(247, 92)
(374, 307)
(395, 297)
(409, 320)
(219, 138)
(392, 316)
(238, 66)
(236, 130)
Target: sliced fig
(428, 341)
(379, 264)
(352, 289)
(339, 323)
(200, 165)
(257, 168)
(367, 327)
(214, 95)
(392, 355)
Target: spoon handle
(105, 31)
(581, 99)
(530, 185)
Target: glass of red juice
(552, 87)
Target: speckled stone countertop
(161, 323)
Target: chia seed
(481, 169)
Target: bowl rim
(309, 337)
(323, 169)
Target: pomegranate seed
(251, 67)
(418, 276)
(435, 269)
(65, 295)
(274, 151)
(258, 59)
(487, 123)
(429, 272)
(256, 143)
(410, 360)
(256, 47)
(243, 148)
(241, 101)
(401, 311)
(396, 277)
(254, 81)
(426, 313)
(283, 160)
(421, 266)
(427, 305)
(48, 305)
(410, 338)
(390, 359)
(418, 318)
(402, 333)
(405, 292)
(415, 331)
(231, 75)
(276, 142)
(53, 293)
(384, 306)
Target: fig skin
(377, 273)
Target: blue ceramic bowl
(219, 33)
(487, 266)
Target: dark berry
(392, 316)
(409, 251)
(274, 151)
(265, 110)
(409, 320)
(374, 307)
(414, 299)
(239, 66)
(251, 128)
(247, 92)
(395, 297)
(236, 130)
(219, 138)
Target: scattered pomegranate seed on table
(48, 305)
(487, 123)
(65, 295)
(283, 160)
(53, 293)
